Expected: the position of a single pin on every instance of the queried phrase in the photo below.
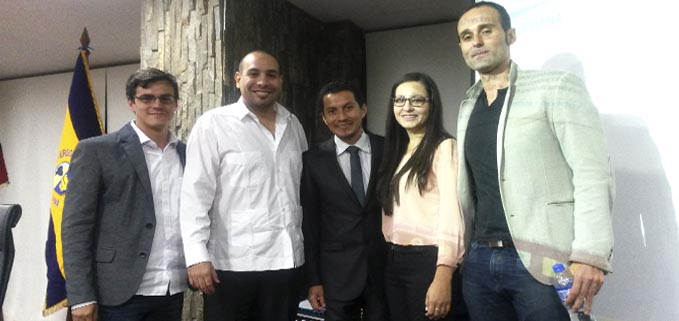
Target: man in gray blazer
(535, 181)
(122, 246)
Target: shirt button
(142, 255)
(149, 226)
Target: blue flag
(82, 121)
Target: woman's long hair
(396, 144)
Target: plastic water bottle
(563, 282)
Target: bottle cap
(558, 268)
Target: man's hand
(437, 300)
(587, 281)
(202, 276)
(85, 313)
(316, 297)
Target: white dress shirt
(344, 158)
(165, 269)
(240, 205)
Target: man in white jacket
(535, 183)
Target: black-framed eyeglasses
(415, 101)
(163, 99)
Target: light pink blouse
(434, 217)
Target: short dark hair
(261, 52)
(505, 20)
(145, 77)
(337, 86)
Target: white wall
(430, 49)
(118, 111)
(618, 48)
(32, 112)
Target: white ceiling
(41, 37)
(373, 15)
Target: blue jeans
(145, 308)
(497, 287)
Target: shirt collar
(242, 111)
(363, 144)
(143, 139)
(475, 90)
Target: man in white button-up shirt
(121, 241)
(240, 210)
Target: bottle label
(563, 293)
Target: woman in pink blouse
(421, 220)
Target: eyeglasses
(164, 99)
(415, 101)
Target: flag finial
(85, 39)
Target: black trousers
(261, 295)
(408, 275)
(145, 308)
(371, 305)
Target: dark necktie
(356, 174)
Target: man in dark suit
(122, 246)
(343, 242)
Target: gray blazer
(555, 175)
(108, 218)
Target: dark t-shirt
(480, 148)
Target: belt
(410, 248)
(497, 243)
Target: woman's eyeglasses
(415, 101)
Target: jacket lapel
(130, 143)
(181, 150)
(465, 112)
(334, 170)
(513, 70)
(375, 157)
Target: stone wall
(341, 48)
(184, 38)
(286, 32)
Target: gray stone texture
(182, 37)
